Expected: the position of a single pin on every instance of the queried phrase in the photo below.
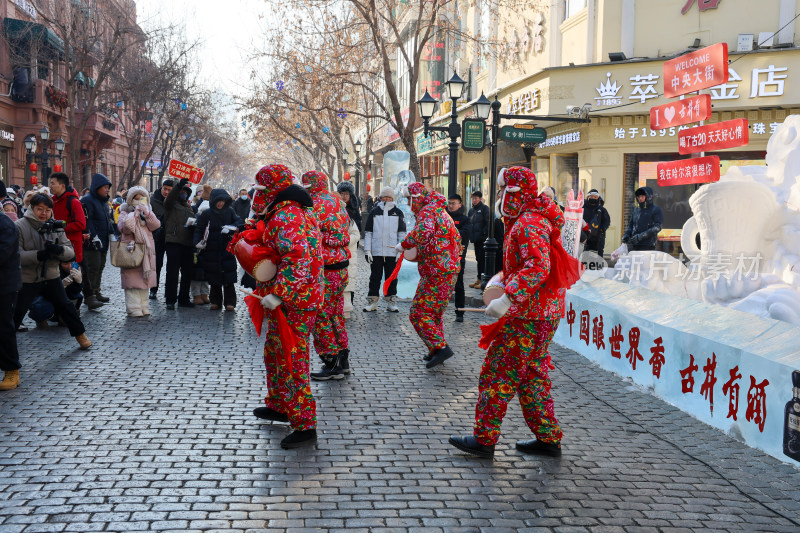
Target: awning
(80, 78)
(23, 30)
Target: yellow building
(610, 54)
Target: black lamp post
(427, 104)
(150, 174)
(482, 107)
(357, 147)
(44, 157)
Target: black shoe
(428, 357)
(537, 447)
(440, 355)
(185, 304)
(299, 438)
(265, 413)
(459, 318)
(344, 360)
(328, 371)
(101, 298)
(170, 307)
(22, 329)
(471, 445)
(153, 294)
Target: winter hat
(314, 181)
(593, 191)
(387, 191)
(270, 180)
(346, 186)
(133, 191)
(3, 189)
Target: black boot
(471, 445)
(299, 438)
(329, 370)
(537, 447)
(440, 355)
(344, 361)
(153, 292)
(101, 298)
(429, 356)
(265, 413)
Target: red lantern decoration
(34, 167)
(369, 188)
(34, 180)
(346, 176)
(369, 176)
(56, 168)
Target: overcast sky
(228, 28)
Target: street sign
(712, 137)
(686, 111)
(523, 133)
(704, 68)
(687, 171)
(180, 170)
(473, 136)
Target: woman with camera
(42, 245)
(137, 222)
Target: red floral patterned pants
(517, 364)
(330, 334)
(290, 391)
(428, 307)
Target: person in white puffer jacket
(384, 230)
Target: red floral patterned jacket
(334, 223)
(526, 261)
(435, 236)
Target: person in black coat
(455, 208)
(597, 218)
(10, 284)
(645, 224)
(479, 217)
(242, 205)
(218, 265)
(99, 226)
(348, 194)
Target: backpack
(69, 209)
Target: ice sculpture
(748, 225)
(397, 176)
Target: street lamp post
(357, 149)
(482, 108)
(44, 157)
(427, 104)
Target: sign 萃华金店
(718, 136)
(686, 111)
(688, 171)
(701, 69)
(180, 170)
(523, 133)
(473, 138)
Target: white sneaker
(390, 306)
(373, 304)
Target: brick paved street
(152, 430)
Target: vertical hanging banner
(573, 224)
(704, 68)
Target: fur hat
(387, 191)
(346, 186)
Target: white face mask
(140, 201)
(244, 197)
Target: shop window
(564, 175)
(571, 7)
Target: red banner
(711, 137)
(180, 170)
(698, 70)
(682, 112)
(686, 171)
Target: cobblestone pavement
(152, 430)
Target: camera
(52, 225)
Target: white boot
(390, 306)
(132, 304)
(144, 301)
(373, 304)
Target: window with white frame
(403, 78)
(571, 7)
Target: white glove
(228, 229)
(368, 255)
(190, 222)
(270, 301)
(399, 248)
(499, 307)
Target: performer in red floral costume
(284, 241)
(438, 246)
(330, 335)
(537, 271)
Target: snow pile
(749, 229)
